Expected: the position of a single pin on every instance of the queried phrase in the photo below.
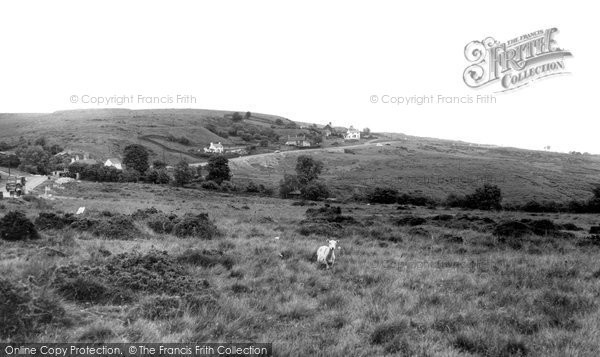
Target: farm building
(299, 141)
(114, 162)
(352, 134)
(214, 148)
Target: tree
(130, 175)
(487, 197)
(11, 161)
(163, 177)
(287, 185)
(35, 160)
(183, 174)
(54, 149)
(237, 116)
(40, 141)
(308, 169)
(218, 169)
(135, 157)
(158, 164)
(198, 173)
(366, 131)
(247, 115)
(158, 176)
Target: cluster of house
(327, 131)
(84, 158)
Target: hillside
(437, 168)
(411, 164)
(105, 132)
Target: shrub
(16, 226)
(150, 272)
(227, 186)
(512, 229)
(198, 226)
(206, 258)
(416, 200)
(542, 207)
(162, 224)
(252, 187)
(117, 227)
(382, 195)
(144, 213)
(410, 221)
(210, 185)
(488, 197)
(130, 175)
(50, 220)
(158, 176)
(22, 313)
(83, 224)
(331, 214)
(314, 191)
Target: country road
(246, 159)
(32, 182)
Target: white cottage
(352, 134)
(214, 148)
(114, 162)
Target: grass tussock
(24, 312)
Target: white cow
(326, 255)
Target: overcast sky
(312, 61)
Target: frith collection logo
(515, 63)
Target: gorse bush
(384, 195)
(161, 223)
(22, 313)
(206, 258)
(51, 220)
(198, 225)
(210, 185)
(488, 197)
(314, 191)
(118, 226)
(416, 200)
(123, 274)
(16, 226)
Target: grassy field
(437, 168)
(407, 282)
